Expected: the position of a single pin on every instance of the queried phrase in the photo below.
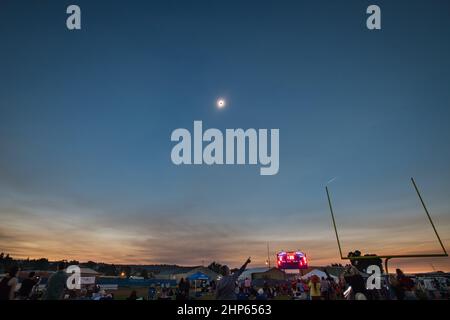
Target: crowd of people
(350, 285)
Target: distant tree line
(43, 264)
(217, 267)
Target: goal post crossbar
(390, 256)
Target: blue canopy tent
(198, 276)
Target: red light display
(292, 260)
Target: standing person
(306, 289)
(324, 288)
(8, 284)
(353, 278)
(400, 290)
(333, 289)
(56, 284)
(299, 286)
(187, 288)
(406, 285)
(227, 285)
(27, 286)
(394, 288)
(181, 290)
(300, 290)
(314, 288)
(247, 285)
(151, 293)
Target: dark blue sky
(86, 118)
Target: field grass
(124, 292)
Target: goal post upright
(428, 215)
(334, 222)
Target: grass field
(124, 292)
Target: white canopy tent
(319, 273)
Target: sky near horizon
(86, 118)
